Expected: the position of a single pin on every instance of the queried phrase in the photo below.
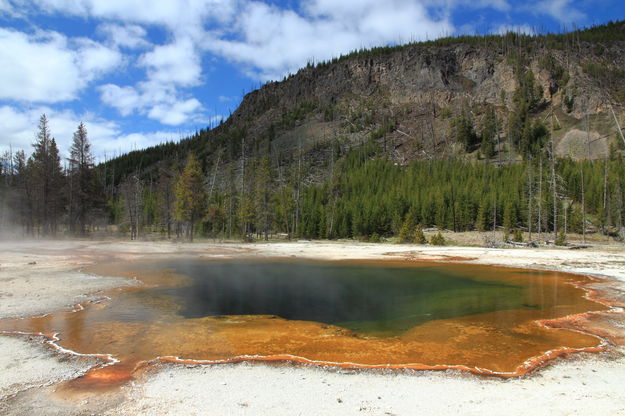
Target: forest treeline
(357, 193)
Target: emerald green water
(365, 299)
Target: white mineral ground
(44, 276)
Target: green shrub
(438, 240)
(375, 238)
(419, 237)
(406, 232)
(561, 240)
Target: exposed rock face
(578, 144)
(420, 88)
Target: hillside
(408, 97)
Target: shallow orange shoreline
(528, 366)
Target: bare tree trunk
(619, 207)
(554, 184)
(605, 198)
(583, 208)
(540, 197)
(244, 229)
(298, 190)
(495, 217)
(210, 191)
(620, 132)
(530, 197)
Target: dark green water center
(367, 299)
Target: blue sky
(139, 72)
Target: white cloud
(125, 99)
(175, 113)
(47, 67)
(227, 99)
(157, 101)
(500, 5)
(561, 10)
(181, 16)
(275, 41)
(520, 29)
(169, 68)
(124, 36)
(109, 147)
(5, 7)
(176, 63)
(94, 59)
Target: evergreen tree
(82, 186)
(407, 230)
(489, 133)
(464, 131)
(419, 237)
(190, 204)
(47, 177)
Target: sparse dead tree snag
(132, 190)
(618, 125)
(540, 197)
(166, 197)
(554, 179)
(530, 198)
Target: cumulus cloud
(500, 5)
(156, 101)
(169, 68)
(125, 99)
(109, 147)
(176, 113)
(47, 67)
(176, 63)
(124, 36)
(177, 15)
(5, 7)
(561, 10)
(274, 41)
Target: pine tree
(47, 178)
(464, 131)
(190, 202)
(488, 133)
(407, 230)
(419, 237)
(82, 190)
